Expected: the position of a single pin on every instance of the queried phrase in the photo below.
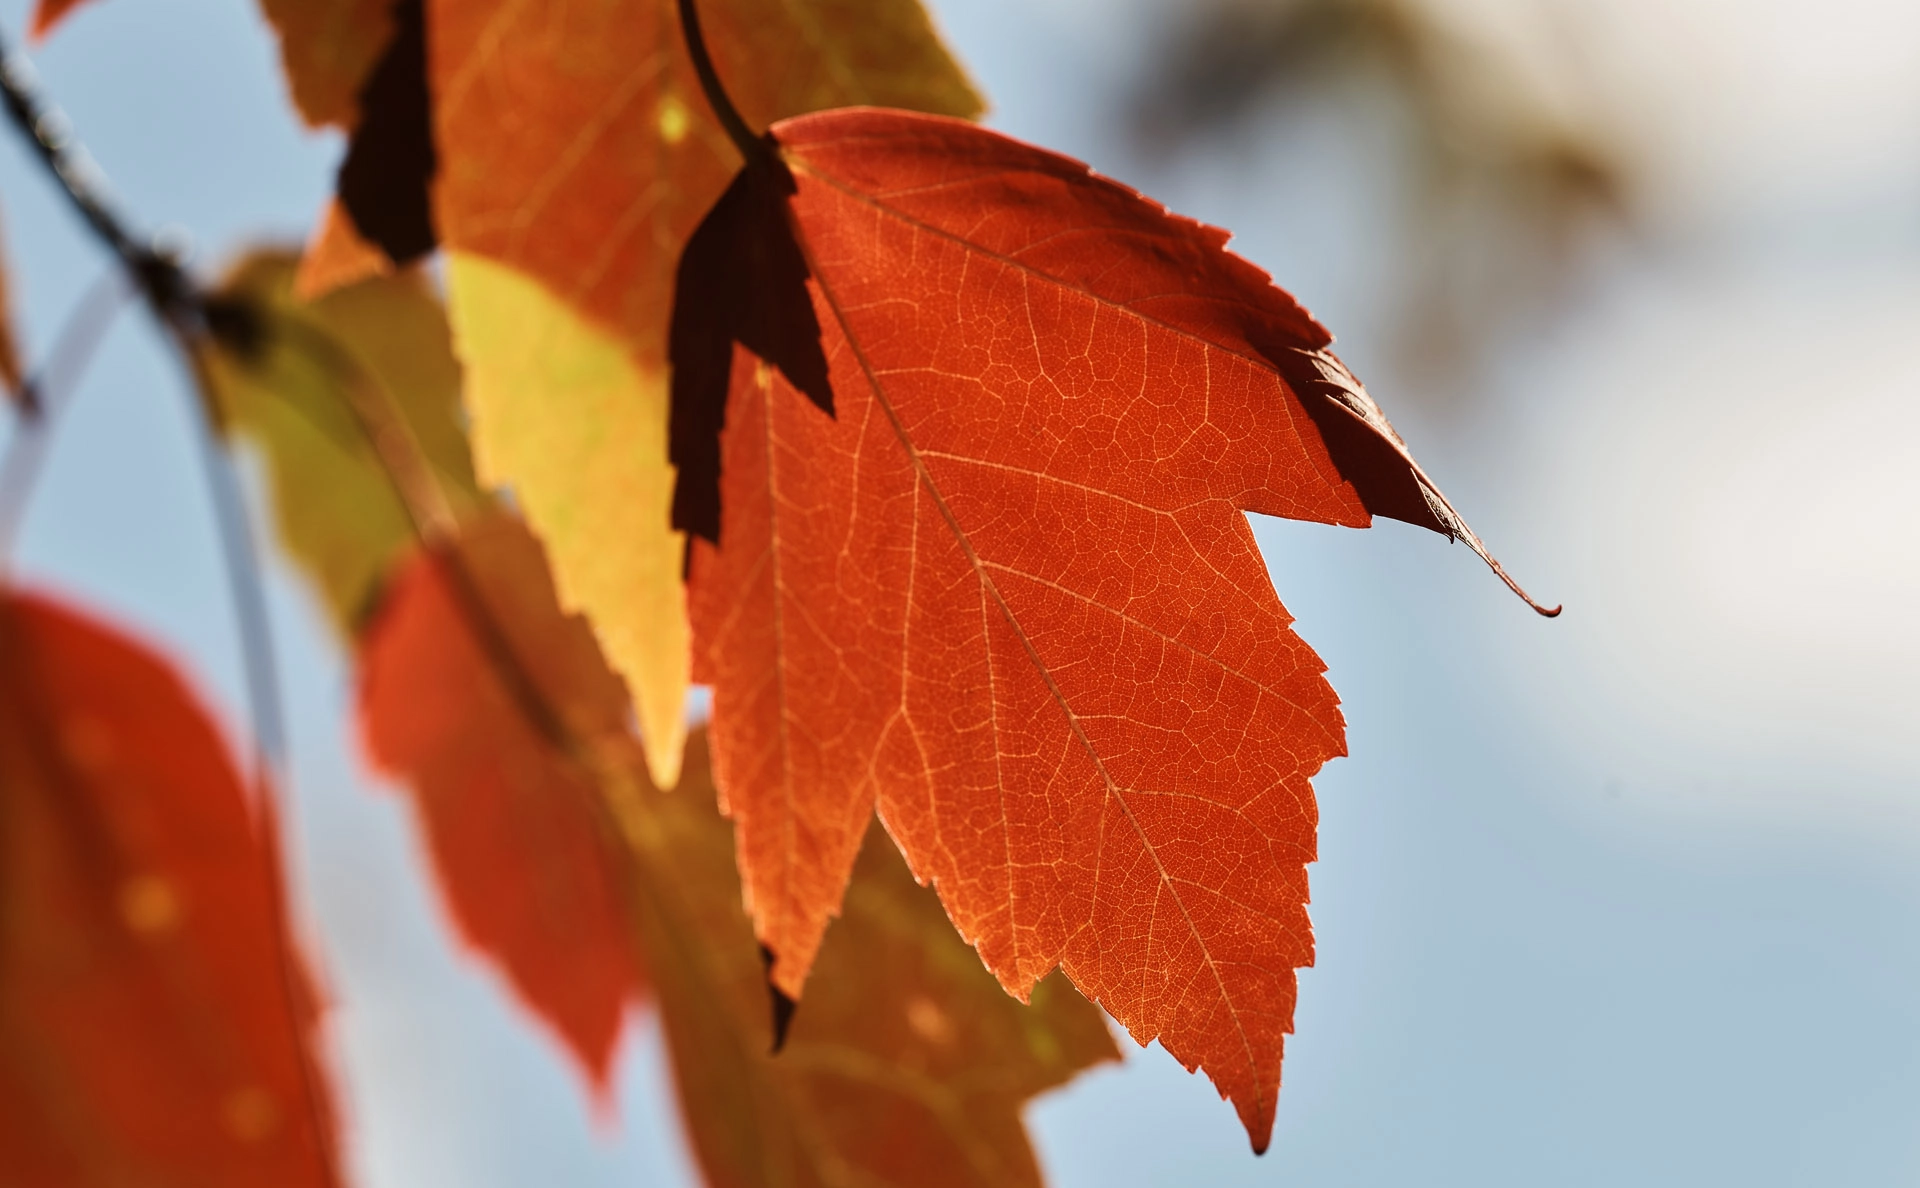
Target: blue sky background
(1626, 898)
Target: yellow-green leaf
(576, 155)
(287, 377)
(564, 416)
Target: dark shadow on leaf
(783, 1006)
(742, 279)
(1364, 457)
(385, 179)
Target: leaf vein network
(1114, 791)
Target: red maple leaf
(506, 812)
(975, 555)
(155, 1023)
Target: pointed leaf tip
(46, 15)
(903, 1025)
(783, 1005)
(1373, 456)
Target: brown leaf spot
(250, 1114)
(929, 1021)
(149, 905)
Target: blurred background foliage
(1504, 183)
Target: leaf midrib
(960, 536)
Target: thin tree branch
(751, 146)
(180, 308)
(176, 302)
(48, 133)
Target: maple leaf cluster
(929, 451)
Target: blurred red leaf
(155, 1025)
(982, 560)
(13, 371)
(506, 810)
(47, 14)
(908, 1066)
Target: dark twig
(48, 132)
(178, 305)
(380, 422)
(750, 145)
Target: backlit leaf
(564, 416)
(327, 48)
(983, 561)
(155, 1027)
(384, 179)
(907, 1066)
(576, 156)
(508, 815)
(287, 376)
(577, 147)
(337, 256)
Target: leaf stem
(751, 146)
(397, 452)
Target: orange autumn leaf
(327, 48)
(983, 562)
(907, 1066)
(951, 512)
(336, 256)
(155, 1025)
(506, 811)
(575, 155)
(576, 148)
